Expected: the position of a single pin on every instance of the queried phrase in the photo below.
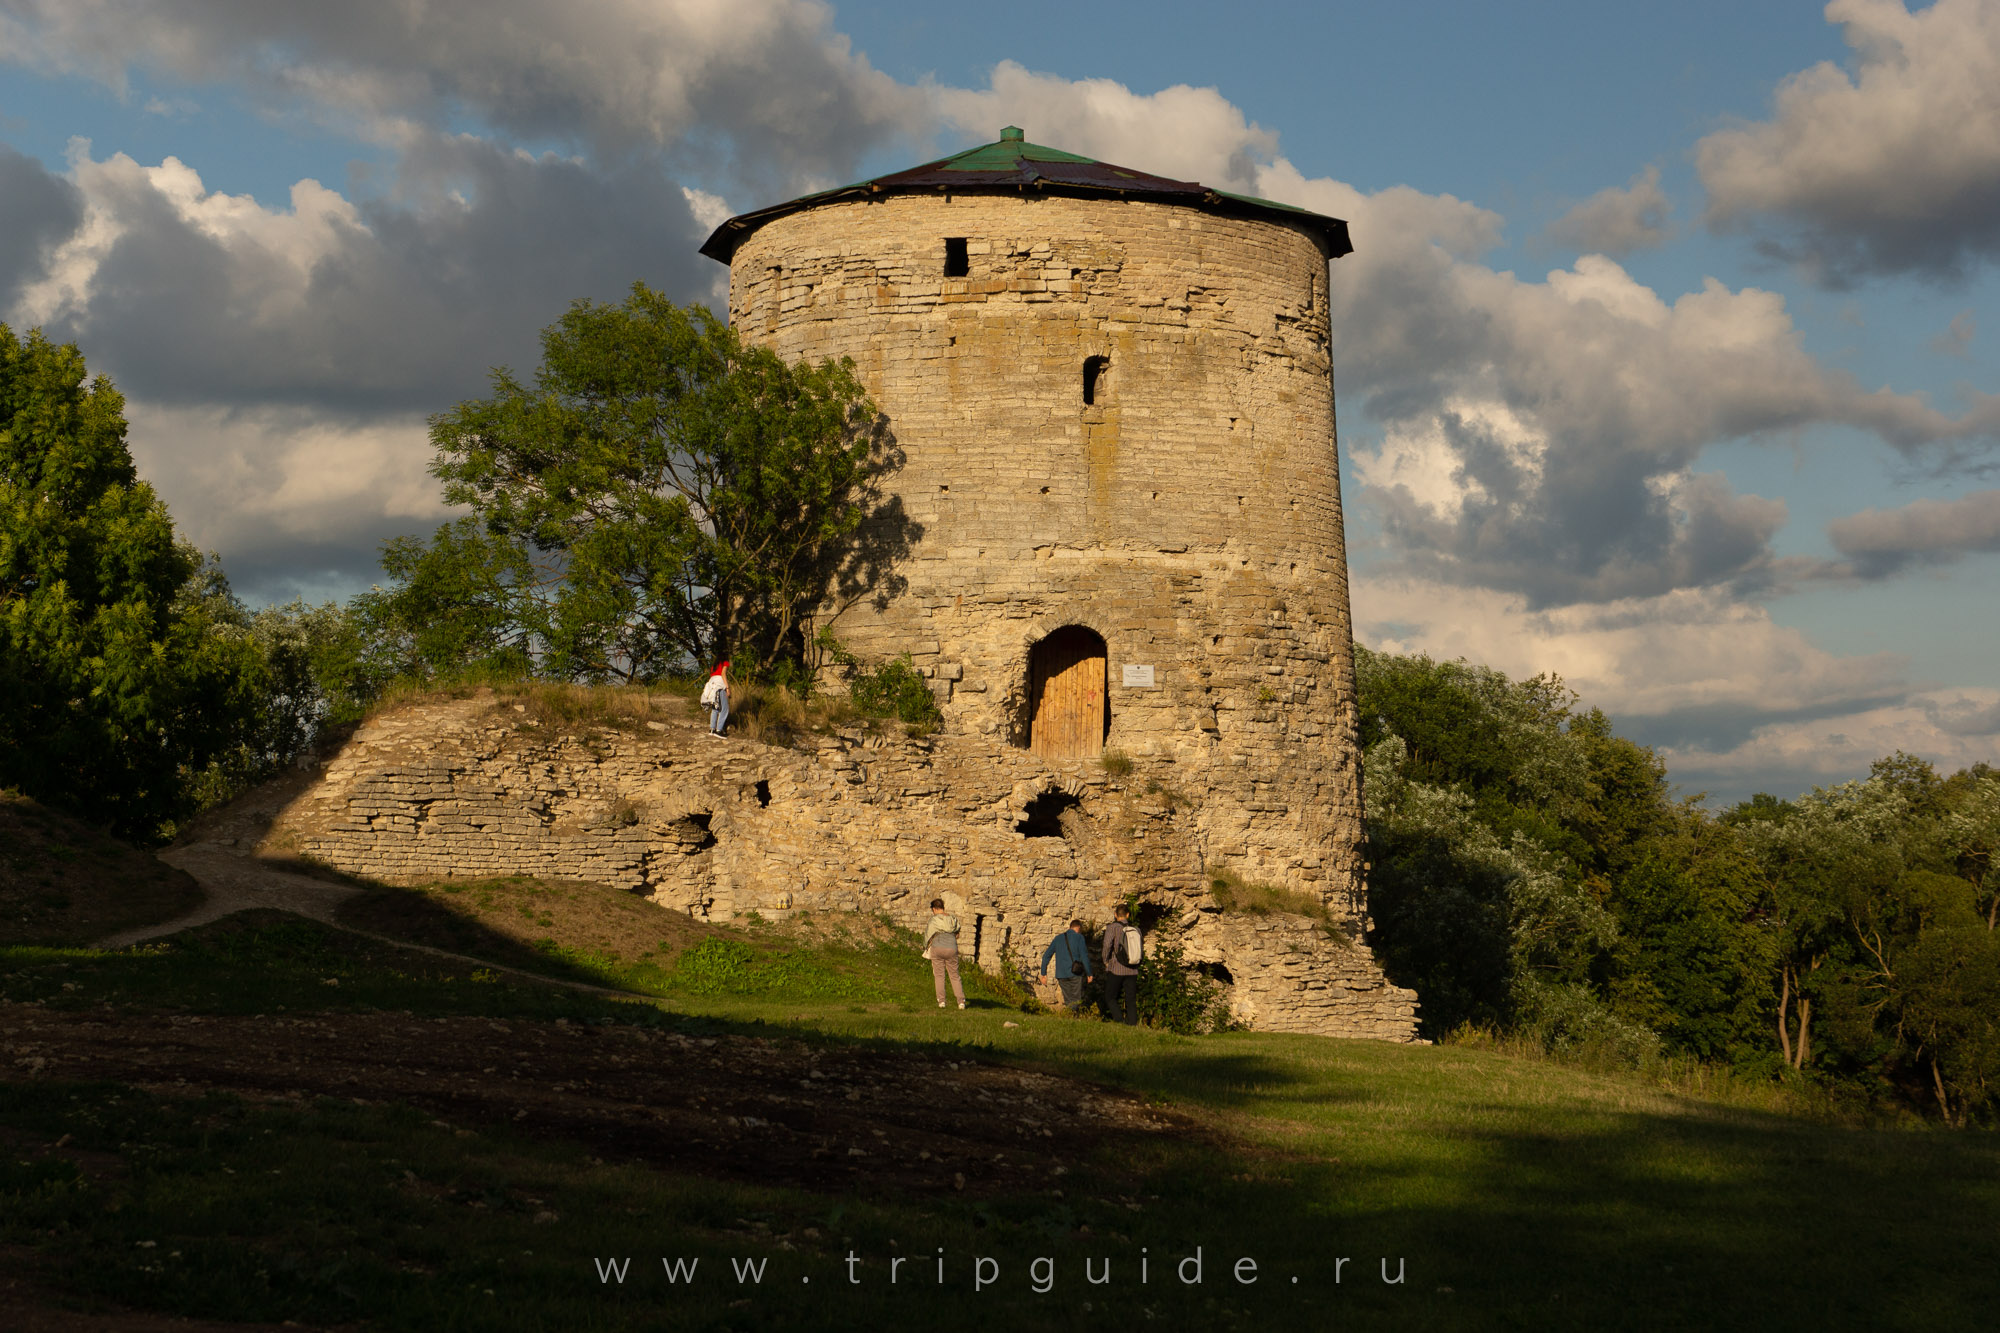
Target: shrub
(1230, 892)
(895, 689)
(1173, 994)
(1115, 762)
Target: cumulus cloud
(1895, 169)
(1180, 132)
(1544, 437)
(1689, 665)
(38, 211)
(298, 500)
(399, 302)
(1782, 757)
(1881, 542)
(1616, 221)
(1734, 702)
(766, 88)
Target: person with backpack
(1123, 948)
(715, 697)
(1071, 953)
(941, 947)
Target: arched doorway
(1066, 706)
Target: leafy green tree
(1838, 848)
(661, 494)
(121, 683)
(1693, 960)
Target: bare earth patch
(765, 1110)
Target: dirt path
(232, 882)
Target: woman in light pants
(941, 947)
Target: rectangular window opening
(956, 263)
(1094, 368)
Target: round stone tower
(1120, 523)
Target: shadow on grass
(1506, 1195)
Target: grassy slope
(1518, 1193)
(64, 882)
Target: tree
(662, 494)
(120, 683)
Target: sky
(1668, 359)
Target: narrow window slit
(956, 263)
(1093, 377)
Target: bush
(1230, 892)
(1173, 994)
(895, 689)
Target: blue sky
(1665, 359)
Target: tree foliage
(662, 494)
(1532, 871)
(122, 684)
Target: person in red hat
(715, 697)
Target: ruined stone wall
(473, 788)
(1190, 515)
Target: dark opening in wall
(956, 263)
(1215, 972)
(691, 831)
(763, 793)
(1045, 814)
(1094, 368)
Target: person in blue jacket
(1071, 953)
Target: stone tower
(1115, 402)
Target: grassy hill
(63, 881)
(269, 1120)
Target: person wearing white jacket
(715, 697)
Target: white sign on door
(1138, 677)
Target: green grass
(1518, 1193)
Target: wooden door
(1067, 695)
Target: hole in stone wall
(1094, 368)
(1215, 972)
(763, 793)
(1045, 814)
(956, 262)
(691, 831)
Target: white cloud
(1180, 132)
(768, 87)
(1731, 700)
(1782, 757)
(1895, 169)
(293, 498)
(385, 304)
(1616, 221)
(1692, 653)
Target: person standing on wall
(715, 697)
(1123, 947)
(1071, 954)
(941, 947)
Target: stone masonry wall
(472, 788)
(1190, 515)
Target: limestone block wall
(1190, 514)
(469, 788)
